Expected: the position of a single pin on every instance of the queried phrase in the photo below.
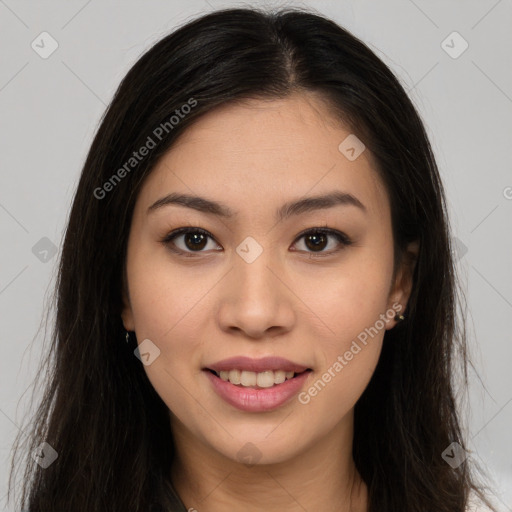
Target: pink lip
(256, 365)
(257, 400)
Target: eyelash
(343, 239)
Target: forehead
(251, 154)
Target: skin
(253, 157)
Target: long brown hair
(100, 413)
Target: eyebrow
(307, 204)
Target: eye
(317, 239)
(196, 239)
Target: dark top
(169, 501)
(175, 500)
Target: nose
(256, 299)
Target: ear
(126, 312)
(402, 286)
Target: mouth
(257, 380)
(257, 384)
(257, 392)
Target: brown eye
(193, 240)
(316, 240)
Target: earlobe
(126, 312)
(127, 317)
(402, 286)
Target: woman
(256, 297)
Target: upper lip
(256, 365)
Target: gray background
(50, 109)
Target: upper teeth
(263, 380)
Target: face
(311, 284)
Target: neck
(321, 477)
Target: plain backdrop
(452, 56)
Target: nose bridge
(253, 276)
(255, 299)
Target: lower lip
(257, 400)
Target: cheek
(333, 391)
(347, 358)
(168, 320)
(162, 297)
(351, 297)
(167, 310)
(354, 306)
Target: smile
(253, 397)
(248, 379)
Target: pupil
(318, 238)
(197, 237)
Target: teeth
(280, 376)
(248, 378)
(263, 379)
(234, 376)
